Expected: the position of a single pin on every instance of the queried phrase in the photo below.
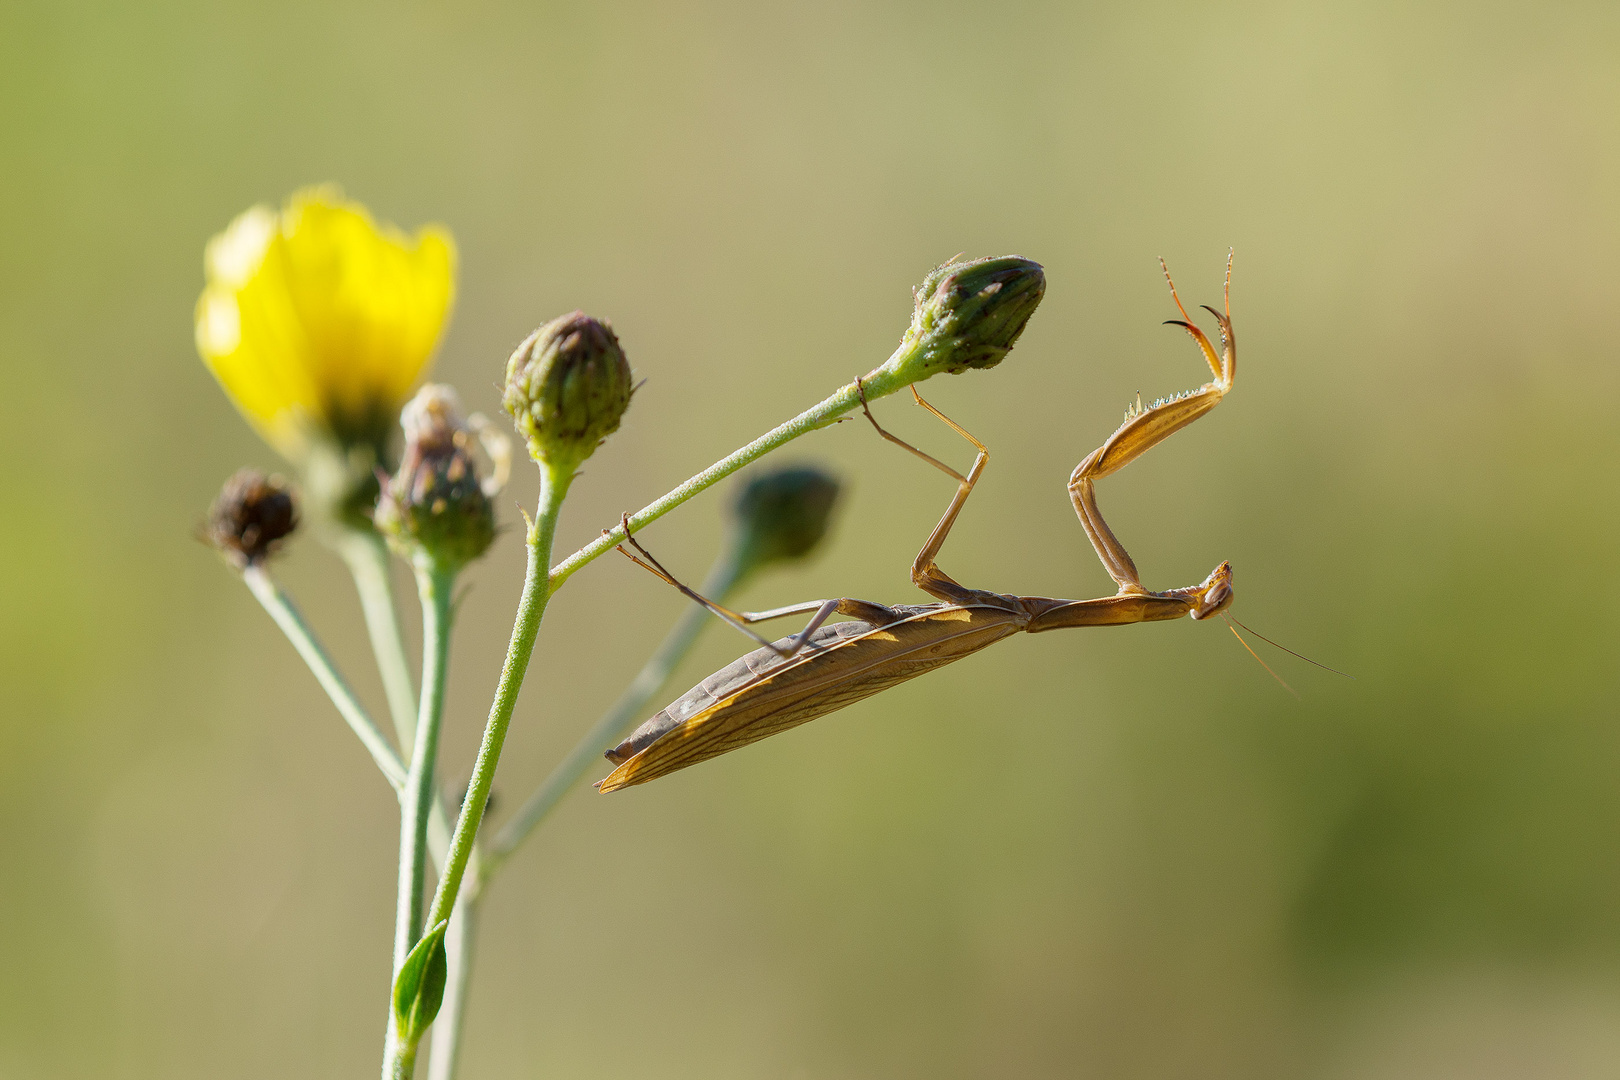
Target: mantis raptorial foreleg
(1143, 428)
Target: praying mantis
(827, 666)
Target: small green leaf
(419, 987)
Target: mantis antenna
(1230, 620)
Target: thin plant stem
(399, 1057)
(292, 624)
(367, 557)
(539, 583)
(269, 594)
(531, 607)
(368, 560)
(444, 1056)
(612, 726)
(880, 382)
(401, 1061)
(436, 586)
(462, 940)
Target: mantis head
(1215, 594)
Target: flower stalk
(436, 585)
(281, 610)
(779, 516)
(460, 942)
(615, 723)
(554, 485)
(366, 556)
(967, 315)
(401, 1053)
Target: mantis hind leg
(876, 614)
(925, 574)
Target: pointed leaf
(419, 987)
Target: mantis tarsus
(827, 666)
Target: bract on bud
(782, 515)
(567, 386)
(251, 517)
(968, 315)
(437, 505)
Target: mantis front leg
(1143, 428)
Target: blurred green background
(1102, 854)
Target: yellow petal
(318, 322)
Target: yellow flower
(318, 322)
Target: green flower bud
(437, 506)
(782, 515)
(968, 314)
(567, 386)
(251, 517)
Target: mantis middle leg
(925, 574)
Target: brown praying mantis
(827, 666)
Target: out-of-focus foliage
(1118, 854)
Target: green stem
(367, 556)
(531, 607)
(399, 1058)
(462, 940)
(401, 1062)
(538, 586)
(368, 559)
(893, 375)
(723, 578)
(459, 941)
(436, 585)
(292, 624)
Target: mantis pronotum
(829, 665)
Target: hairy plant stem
(893, 375)
(292, 624)
(399, 1057)
(538, 586)
(462, 941)
(400, 1064)
(444, 1055)
(531, 608)
(274, 601)
(367, 557)
(436, 585)
(723, 578)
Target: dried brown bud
(252, 515)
